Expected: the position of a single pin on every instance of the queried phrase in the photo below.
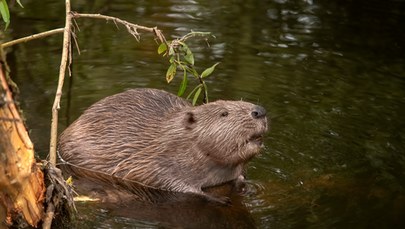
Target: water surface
(330, 73)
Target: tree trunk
(22, 188)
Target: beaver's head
(228, 132)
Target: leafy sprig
(181, 58)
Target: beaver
(159, 140)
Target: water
(330, 74)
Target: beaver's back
(116, 127)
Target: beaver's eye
(224, 114)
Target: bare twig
(195, 34)
(62, 71)
(132, 28)
(50, 212)
(179, 41)
(58, 196)
(74, 36)
(32, 37)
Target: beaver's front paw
(239, 185)
(222, 200)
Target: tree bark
(22, 188)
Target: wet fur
(158, 140)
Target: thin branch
(50, 212)
(132, 28)
(195, 34)
(32, 37)
(180, 41)
(75, 27)
(62, 71)
(76, 43)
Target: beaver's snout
(258, 112)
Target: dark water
(330, 73)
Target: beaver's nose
(258, 112)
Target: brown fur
(158, 140)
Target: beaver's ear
(189, 120)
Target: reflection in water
(331, 72)
(176, 210)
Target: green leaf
(162, 48)
(19, 3)
(189, 57)
(171, 72)
(171, 51)
(5, 14)
(183, 84)
(196, 95)
(208, 71)
(192, 92)
(183, 47)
